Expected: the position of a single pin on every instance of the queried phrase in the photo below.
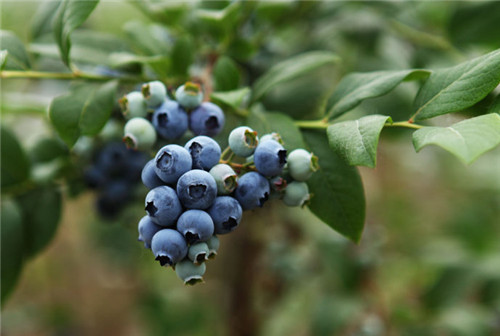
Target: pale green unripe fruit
(243, 140)
(189, 95)
(154, 93)
(302, 164)
(139, 134)
(296, 194)
(225, 177)
(198, 252)
(190, 273)
(134, 105)
(213, 246)
(272, 136)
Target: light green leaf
(467, 139)
(124, 58)
(15, 163)
(337, 191)
(3, 59)
(42, 20)
(98, 108)
(70, 15)
(12, 247)
(453, 89)
(291, 68)
(356, 140)
(150, 39)
(233, 98)
(17, 57)
(226, 74)
(356, 87)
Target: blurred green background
(429, 259)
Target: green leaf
(356, 87)
(453, 89)
(337, 191)
(3, 59)
(291, 68)
(15, 164)
(71, 14)
(42, 20)
(495, 105)
(467, 139)
(233, 98)
(47, 149)
(150, 39)
(98, 108)
(356, 140)
(41, 214)
(182, 56)
(12, 247)
(17, 57)
(226, 74)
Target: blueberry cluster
(198, 192)
(152, 113)
(114, 173)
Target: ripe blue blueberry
(134, 105)
(170, 120)
(190, 273)
(296, 194)
(149, 177)
(163, 206)
(198, 252)
(206, 119)
(197, 189)
(243, 141)
(189, 95)
(226, 213)
(195, 225)
(155, 93)
(204, 151)
(147, 229)
(225, 177)
(269, 158)
(169, 247)
(139, 134)
(252, 191)
(112, 198)
(302, 164)
(95, 177)
(171, 162)
(213, 246)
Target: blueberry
(226, 213)
(163, 206)
(149, 177)
(206, 119)
(195, 226)
(213, 246)
(190, 273)
(170, 120)
(139, 134)
(112, 158)
(296, 194)
(171, 162)
(269, 158)
(147, 229)
(225, 177)
(197, 189)
(113, 197)
(198, 252)
(134, 105)
(302, 164)
(94, 177)
(155, 93)
(272, 136)
(189, 95)
(243, 140)
(169, 247)
(136, 161)
(204, 151)
(252, 191)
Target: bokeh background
(429, 259)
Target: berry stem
(322, 124)
(226, 151)
(64, 75)
(404, 124)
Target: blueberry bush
(235, 116)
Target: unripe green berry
(139, 134)
(189, 95)
(112, 130)
(154, 93)
(190, 273)
(272, 136)
(225, 177)
(296, 194)
(198, 252)
(134, 105)
(213, 246)
(243, 140)
(302, 164)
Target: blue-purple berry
(197, 189)
(147, 229)
(170, 120)
(163, 206)
(204, 151)
(149, 177)
(252, 191)
(195, 226)
(169, 247)
(269, 158)
(207, 119)
(226, 214)
(171, 162)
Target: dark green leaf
(226, 74)
(98, 108)
(12, 247)
(42, 20)
(356, 87)
(291, 68)
(337, 191)
(70, 15)
(182, 56)
(17, 57)
(47, 149)
(467, 139)
(453, 89)
(356, 140)
(15, 164)
(41, 214)
(495, 105)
